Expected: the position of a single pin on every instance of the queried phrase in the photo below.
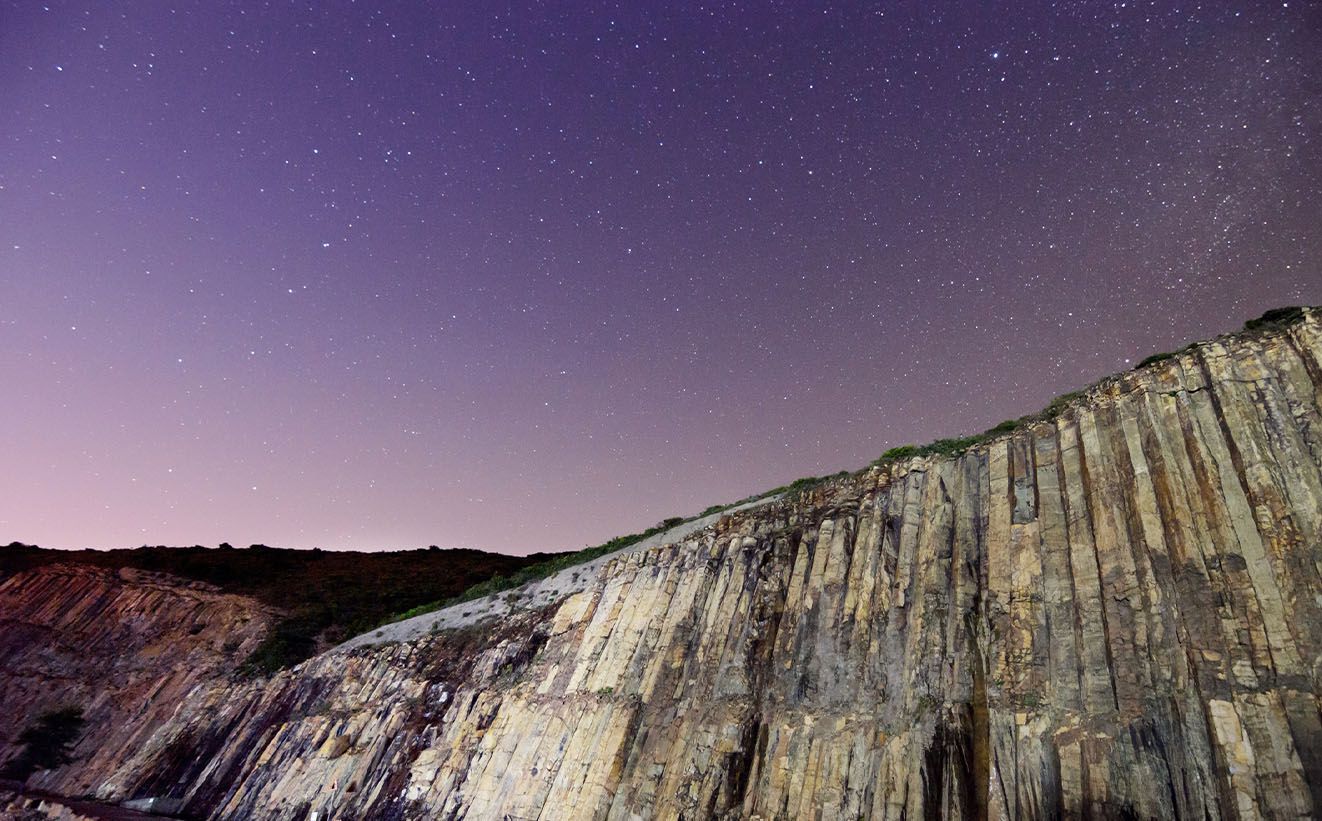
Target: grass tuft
(1276, 318)
(538, 571)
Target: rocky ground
(125, 646)
(534, 595)
(20, 805)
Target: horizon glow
(379, 276)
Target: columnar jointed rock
(1115, 612)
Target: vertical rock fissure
(1067, 515)
(1241, 475)
(980, 726)
(975, 620)
(880, 647)
(1085, 480)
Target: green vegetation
(1276, 318)
(799, 485)
(1058, 405)
(538, 571)
(794, 489)
(329, 596)
(46, 743)
(897, 453)
(1005, 427)
(956, 446)
(1155, 358)
(324, 596)
(1162, 357)
(290, 641)
(942, 447)
(1271, 320)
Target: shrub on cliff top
(1006, 426)
(1058, 405)
(1272, 320)
(796, 488)
(958, 445)
(1154, 359)
(540, 570)
(901, 452)
(941, 447)
(1276, 318)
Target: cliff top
(545, 583)
(331, 596)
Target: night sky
(528, 276)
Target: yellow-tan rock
(1116, 612)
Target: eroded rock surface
(125, 646)
(1117, 612)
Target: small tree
(47, 743)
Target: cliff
(322, 597)
(125, 646)
(1115, 611)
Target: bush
(902, 452)
(796, 488)
(1058, 405)
(540, 570)
(941, 447)
(953, 447)
(1005, 427)
(1154, 359)
(801, 484)
(956, 446)
(1276, 318)
(46, 743)
(290, 641)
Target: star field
(527, 276)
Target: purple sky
(526, 277)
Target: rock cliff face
(125, 646)
(1117, 612)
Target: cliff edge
(1116, 611)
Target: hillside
(1109, 609)
(123, 647)
(322, 597)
